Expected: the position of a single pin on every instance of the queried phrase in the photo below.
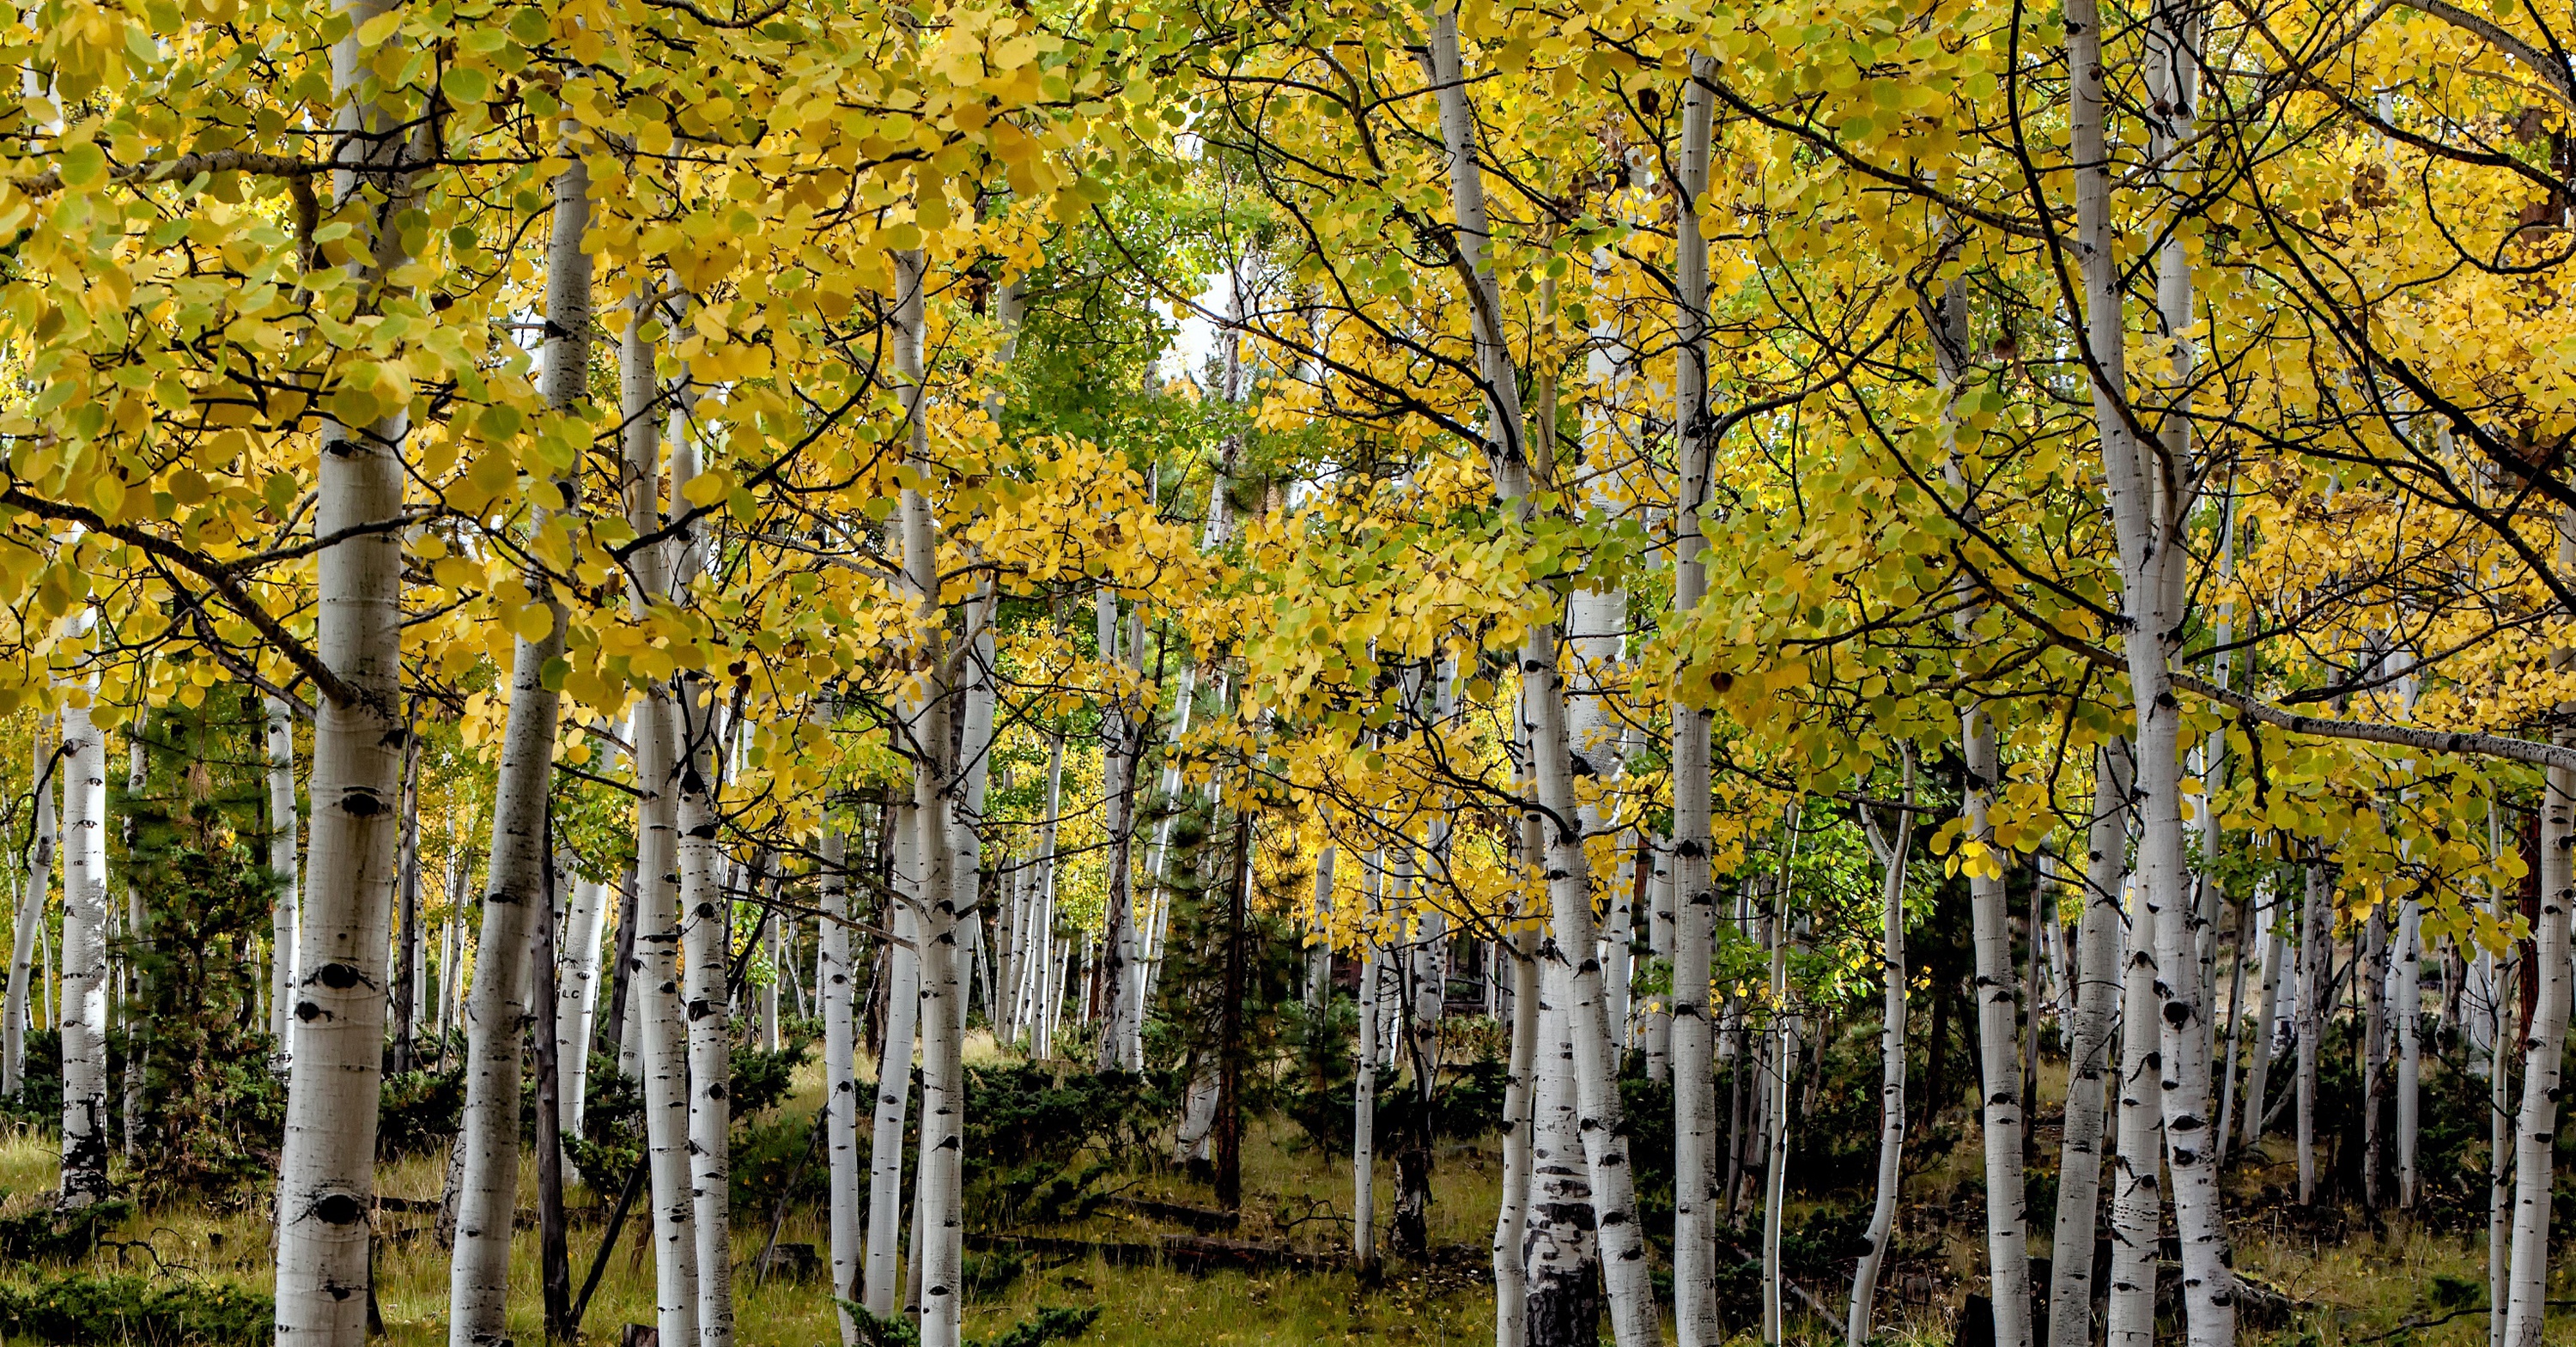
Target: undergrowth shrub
(129, 1309)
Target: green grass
(2350, 1292)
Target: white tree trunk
(707, 1003)
(2316, 934)
(497, 1012)
(284, 823)
(2536, 1126)
(326, 1188)
(2101, 944)
(1998, 996)
(1511, 1220)
(1892, 851)
(846, 1202)
(662, 1030)
(2258, 1069)
(1364, 1112)
(1561, 1254)
(84, 973)
(577, 999)
(894, 1078)
(1659, 940)
(45, 780)
(2500, 973)
(2406, 997)
(1695, 1308)
(2137, 1197)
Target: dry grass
(2352, 1292)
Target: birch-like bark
(1123, 731)
(45, 776)
(2258, 1069)
(284, 820)
(2406, 998)
(1319, 946)
(1892, 851)
(1695, 1307)
(1511, 1221)
(2536, 1125)
(1634, 1317)
(2137, 1197)
(1560, 1247)
(1997, 989)
(577, 998)
(497, 1011)
(2501, 973)
(661, 1035)
(2316, 927)
(326, 1166)
(706, 1000)
(1658, 1029)
(83, 1022)
(847, 1192)
(2148, 489)
(2372, 975)
(2100, 945)
(1364, 1109)
(894, 1075)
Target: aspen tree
(846, 1200)
(2137, 1194)
(2100, 946)
(1695, 1309)
(1603, 1135)
(44, 777)
(1892, 849)
(498, 1010)
(661, 1034)
(283, 818)
(1511, 1219)
(83, 1020)
(894, 1069)
(326, 1168)
(2536, 1123)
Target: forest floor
(2350, 1285)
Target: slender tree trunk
(2406, 991)
(1695, 1308)
(2544, 1043)
(847, 1192)
(2137, 1198)
(2258, 1069)
(2233, 1022)
(1511, 1222)
(1892, 851)
(706, 998)
(2502, 973)
(45, 777)
(894, 1077)
(1998, 993)
(518, 872)
(1364, 1113)
(1783, 1036)
(577, 999)
(1561, 1251)
(2100, 947)
(326, 1186)
(1658, 1030)
(283, 821)
(661, 1036)
(83, 1022)
(2316, 931)
(2373, 976)
(554, 1258)
(1319, 948)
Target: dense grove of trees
(548, 551)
